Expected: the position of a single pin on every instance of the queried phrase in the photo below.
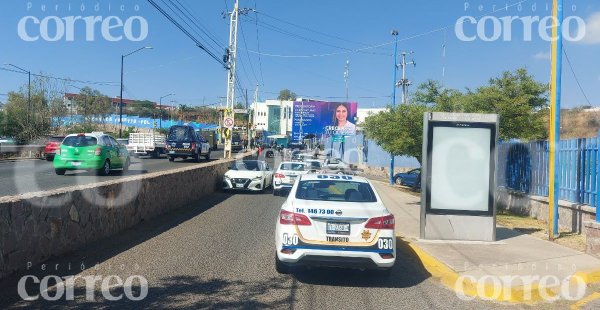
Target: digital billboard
(323, 118)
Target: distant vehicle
(236, 142)
(52, 145)
(211, 137)
(335, 163)
(7, 140)
(152, 144)
(334, 221)
(314, 164)
(248, 175)
(285, 176)
(183, 142)
(296, 146)
(411, 178)
(268, 151)
(90, 151)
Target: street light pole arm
(139, 49)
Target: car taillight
(279, 175)
(291, 218)
(57, 152)
(98, 151)
(167, 146)
(383, 222)
(193, 146)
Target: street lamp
(28, 89)
(121, 95)
(160, 110)
(395, 34)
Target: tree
(286, 94)
(91, 102)
(519, 100)
(142, 109)
(398, 131)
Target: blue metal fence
(524, 167)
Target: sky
(299, 45)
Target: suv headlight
(257, 178)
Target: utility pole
(346, 76)
(404, 82)
(395, 34)
(230, 59)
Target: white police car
(334, 221)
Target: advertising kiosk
(458, 176)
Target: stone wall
(571, 216)
(37, 226)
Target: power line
(198, 43)
(195, 22)
(247, 54)
(291, 34)
(385, 43)
(64, 79)
(575, 76)
(312, 30)
(258, 47)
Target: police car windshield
(180, 133)
(334, 190)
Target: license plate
(171, 152)
(239, 185)
(338, 228)
(75, 163)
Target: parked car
(94, 151)
(52, 145)
(285, 176)
(248, 175)
(184, 142)
(411, 178)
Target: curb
(467, 289)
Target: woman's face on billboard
(341, 114)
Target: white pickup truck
(152, 144)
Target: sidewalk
(515, 268)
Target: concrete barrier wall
(571, 215)
(37, 226)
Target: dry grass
(576, 123)
(539, 229)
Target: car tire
(154, 154)
(280, 267)
(171, 158)
(49, 158)
(105, 170)
(60, 171)
(275, 192)
(207, 157)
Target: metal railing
(524, 167)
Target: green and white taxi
(94, 151)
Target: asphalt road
(219, 253)
(25, 176)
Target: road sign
(226, 133)
(228, 122)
